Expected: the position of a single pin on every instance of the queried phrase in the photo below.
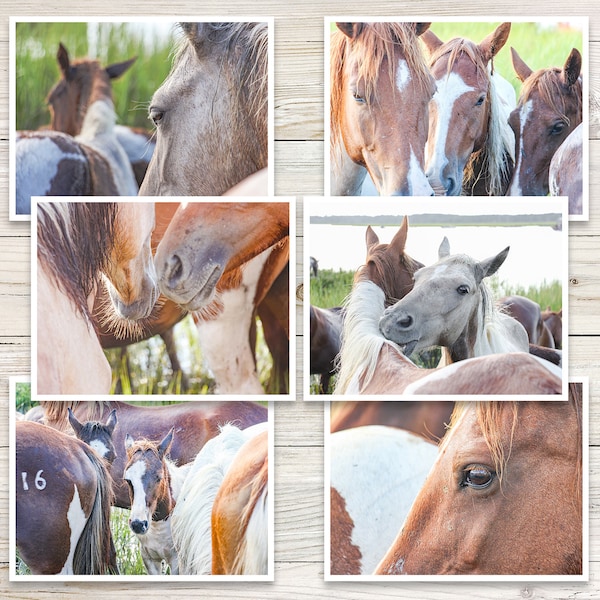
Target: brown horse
(194, 422)
(82, 247)
(549, 109)
(379, 80)
(504, 496)
(63, 497)
(529, 314)
(325, 338)
(553, 321)
(470, 147)
(372, 365)
(97, 435)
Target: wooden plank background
(299, 426)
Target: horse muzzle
(138, 526)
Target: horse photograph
(500, 493)
(95, 100)
(166, 489)
(434, 300)
(424, 108)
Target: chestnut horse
(82, 246)
(194, 422)
(450, 305)
(470, 147)
(529, 314)
(220, 524)
(375, 474)
(63, 497)
(549, 109)
(504, 496)
(380, 91)
(371, 364)
(565, 175)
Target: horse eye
(477, 477)
(558, 128)
(358, 98)
(463, 290)
(480, 100)
(156, 115)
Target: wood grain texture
(299, 164)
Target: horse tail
(252, 557)
(95, 552)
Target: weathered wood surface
(299, 151)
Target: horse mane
(74, 240)
(378, 41)
(496, 157)
(55, 411)
(490, 416)
(244, 48)
(553, 91)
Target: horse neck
(172, 482)
(100, 119)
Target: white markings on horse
(402, 75)
(417, 180)
(100, 448)
(135, 475)
(39, 481)
(77, 520)
(526, 110)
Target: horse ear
(164, 446)
(490, 265)
(398, 242)
(75, 424)
(128, 441)
(62, 56)
(117, 69)
(444, 249)
(421, 28)
(572, 68)
(371, 237)
(519, 65)
(111, 421)
(432, 42)
(351, 30)
(494, 42)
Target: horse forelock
(375, 43)
(73, 246)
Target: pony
(450, 305)
(470, 147)
(207, 249)
(371, 364)
(553, 321)
(217, 89)
(506, 483)
(97, 435)
(195, 423)
(63, 496)
(379, 79)
(325, 336)
(222, 503)
(529, 314)
(375, 474)
(549, 109)
(565, 174)
(82, 247)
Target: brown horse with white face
(504, 496)
(470, 147)
(380, 91)
(549, 109)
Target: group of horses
(225, 262)
(422, 116)
(194, 476)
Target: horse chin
(409, 347)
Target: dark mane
(74, 240)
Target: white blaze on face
(76, 519)
(100, 448)
(135, 475)
(515, 186)
(449, 89)
(402, 75)
(418, 182)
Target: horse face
(489, 512)
(131, 277)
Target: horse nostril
(405, 322)
(138, 526)
(175, 265)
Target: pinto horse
(63, 498)
(470, 147)
(380, 91)
(549, 109)
(450, 305)
(82, 246)
(371, 364)
(565, 175)
(195, 423)
(375, 474)
(219, 524)
(506, 483)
